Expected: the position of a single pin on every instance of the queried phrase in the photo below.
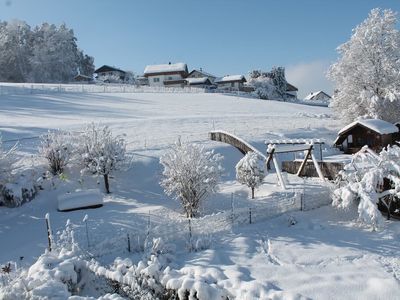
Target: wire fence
(103, 240)
(36, 88)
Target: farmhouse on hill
(202, 82)
(172, 75)
(291, 91)
(320, 96)
(374, 133)
(231, 82)
(105, 73)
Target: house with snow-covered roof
(172, 75)
(106, 72)
(319, 96)
(201, 82)
(201, 74)
(231, 82)
(374, 133)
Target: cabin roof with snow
(166, 69)
(231, 78)
(375, 133)
(313, 95)
(377, 125)
(106, 68)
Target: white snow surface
(153, 69)
(319, 254)
(376, 125)
(196, 80)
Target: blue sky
(222, 37)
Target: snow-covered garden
(140, 242)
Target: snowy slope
(325, 255)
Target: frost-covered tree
(250, 171)
(57, 147)
(7, 158)
(101, 152)
(190, 175)
(15, 51)
(269, 85)
(367, 73)
(368, 180)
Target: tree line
(45, 53)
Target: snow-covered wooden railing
(231, 139)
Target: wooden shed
(374, 133)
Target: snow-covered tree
(250, 171)
(101, 152)
(7, 158)
(190, 175)
(367, 74)
(15, 51)
(263, 87)
(368, 180)
(57, 148)
(269, 85)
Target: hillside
(320, 253)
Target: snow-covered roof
(204, 73)
(230, 78)
(376, 125)
(314, 94)
(197, 80)
(166, 68)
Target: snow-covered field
(318, 254)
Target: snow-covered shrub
(102, 153)
(23, 188)
(56, 146)
(190, 175)
(363, 182)
(366, 74)
(269, 85)
(7, 158)
(250, 171)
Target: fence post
(85, 219)
(250, 215)
(129, 242)
(47, 217)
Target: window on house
(156, 79)
(169, 78)
(232, 84)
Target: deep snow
(325, 255)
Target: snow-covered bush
(250, 171)
(269, 85)
(7, 158)
(190, 175)
(56, 146)
(101, 152)
(366, 74)
(363, 183)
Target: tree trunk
(252, 193)
(107, 185)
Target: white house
(320, 96)
(231, 82)
(201, 74)
(172, 75)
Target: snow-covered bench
(80, 199)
